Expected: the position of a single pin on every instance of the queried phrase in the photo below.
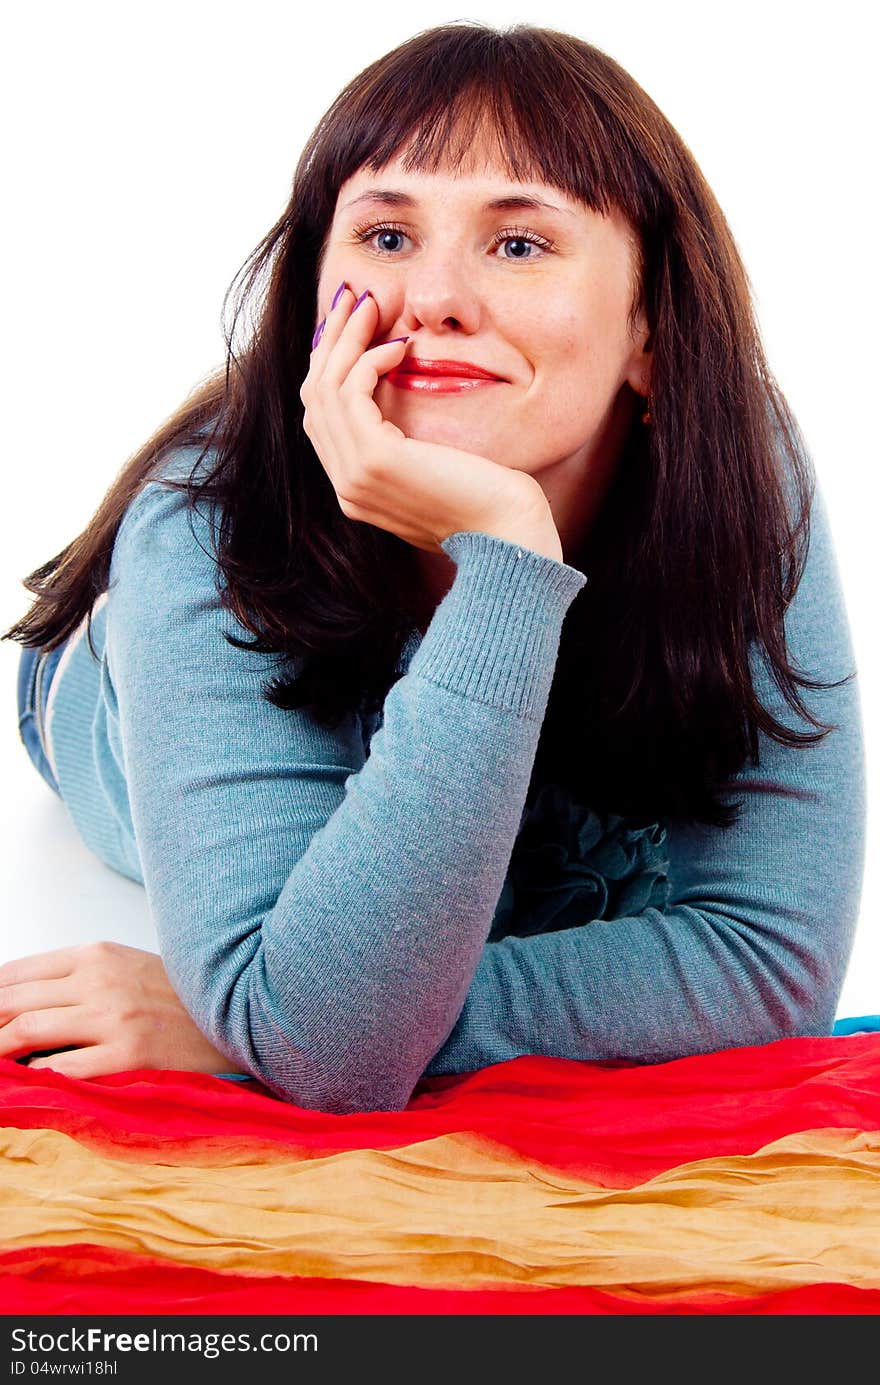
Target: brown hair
(697, 554)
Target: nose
(439, 293)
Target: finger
(18, 998)
(94, 1061)
(318, 421)
(341, 345)
(351, 327)
(362, 411)
(338, 314)
(359, 367)
(319, 330)
(42, 966)
(46, 1029)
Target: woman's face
(538, 295)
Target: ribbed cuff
(495, 635)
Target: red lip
(465, 370)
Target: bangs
(489, 124)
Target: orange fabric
(458, 1210)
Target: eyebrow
(516, 202)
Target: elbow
(349, 1102)
(337, 1094)
(769, 1024)
(795, 998)
(765, 976)
(292, 1076)
(326, 1083)
(314, 1067)
(321, 1078)
(361, 1079)
(804, 1017)
(749, 985)
(803, 1001)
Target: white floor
(56, 893)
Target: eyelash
(365, 233)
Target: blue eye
(503, 239)
(383, 232)
(366, 233)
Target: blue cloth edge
(857, 1024)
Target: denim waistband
(39, 671)
(46, 668)
(35, 673)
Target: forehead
(483, 181)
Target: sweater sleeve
(321, 912)
(754, 940)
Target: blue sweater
(337, 909)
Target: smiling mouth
(460, 370)
(431, 383)
(426, 375)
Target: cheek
(573, 372)
(552, 333)
(566, 340)
(326, 289)
(334, 268)
(577, 352)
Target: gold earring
(646, 416)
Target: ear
(638, 375)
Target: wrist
(539, 534)
(528, 522)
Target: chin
(444, 430)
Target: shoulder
(166, 586)
(162, 531)
(816, 619)
(817, 630)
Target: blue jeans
(35, 672)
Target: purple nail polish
(338, 294)
(391, 339)
(318, 330)
(365, 294)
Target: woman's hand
(421, 491)
(112, 1007)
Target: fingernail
(337, 295)
(365, 294)
(319, 329)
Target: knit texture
(345, 911)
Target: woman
(441, 708)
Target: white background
(148, 149)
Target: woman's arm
(320, 913)
(754, 942)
